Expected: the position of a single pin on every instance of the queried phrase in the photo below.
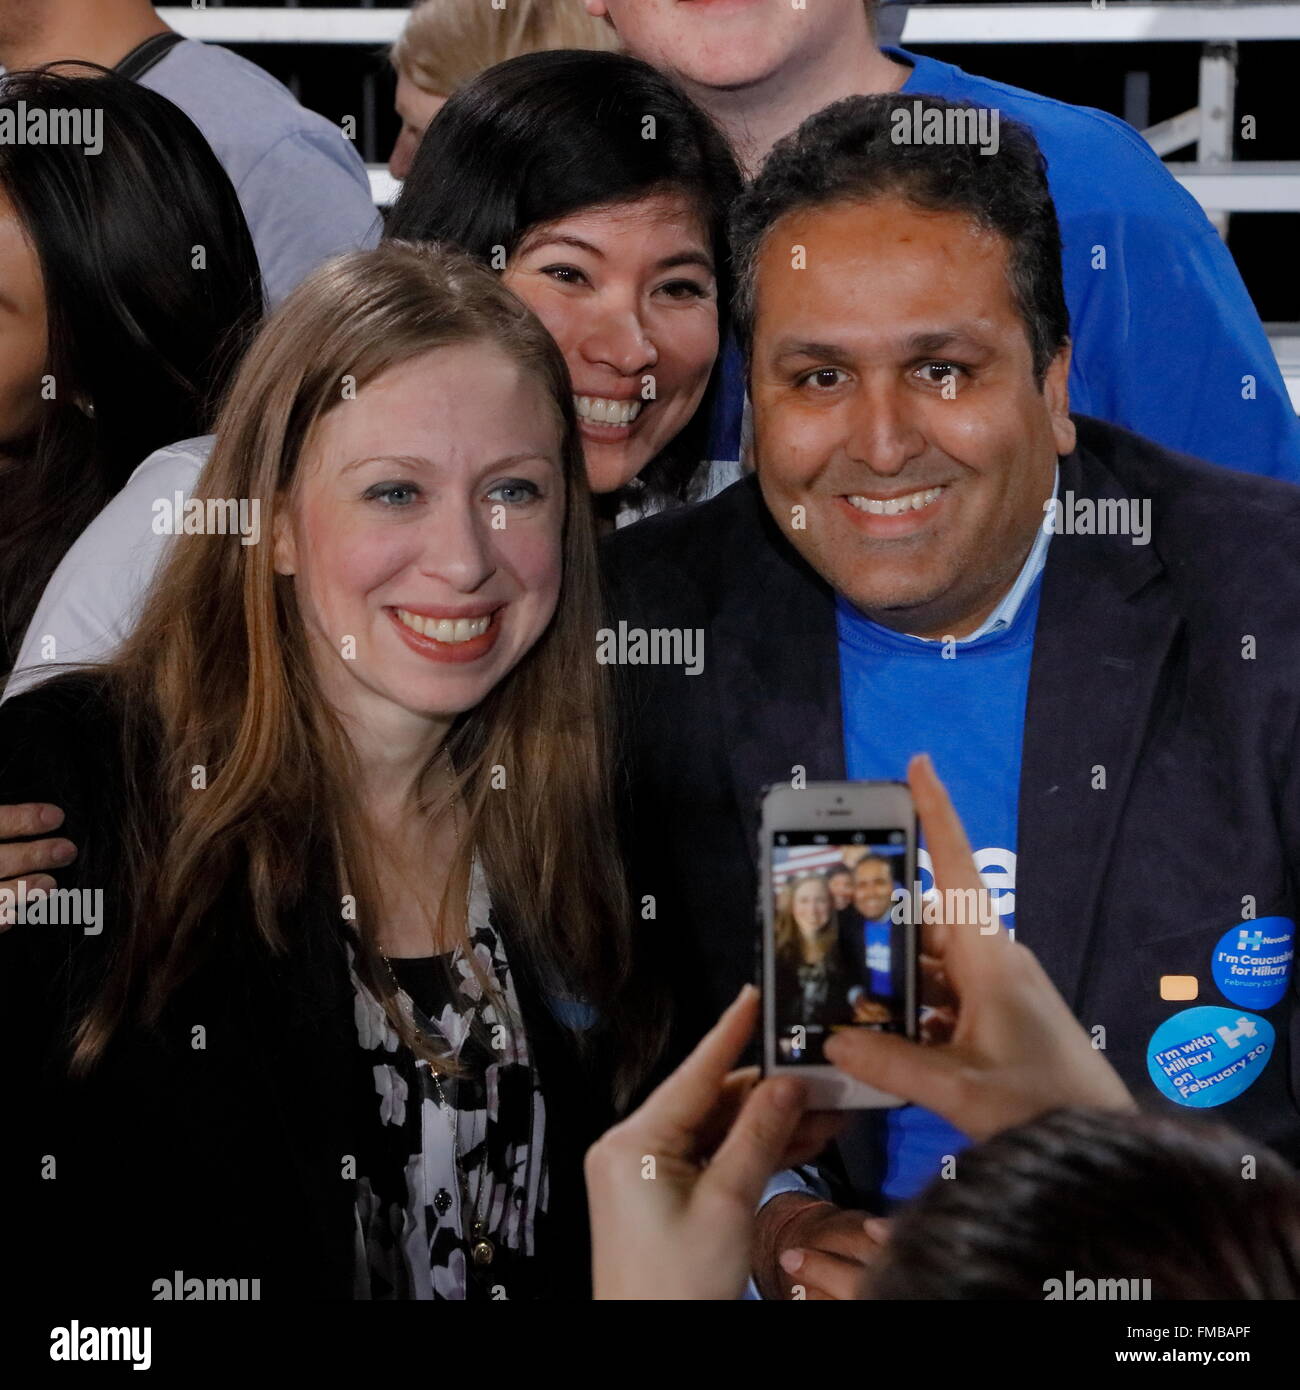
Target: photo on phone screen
(839, 959)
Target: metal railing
(1216, 26)
(1220, 184)
(1116, 21)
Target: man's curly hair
(849, 153)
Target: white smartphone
(839, 941)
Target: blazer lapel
(1105, 625)
(775, 660)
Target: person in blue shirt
(1094, 637)
(1166, 340)
(866, 938)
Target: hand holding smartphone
(839, 941)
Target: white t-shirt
(94, 598)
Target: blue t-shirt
(1166, 340)
(964, 704)
(878, 955)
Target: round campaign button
(1205, 1056)
(1252, 962)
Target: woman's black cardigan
(225, 1160)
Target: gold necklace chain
(481, 1247)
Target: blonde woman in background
(447, 42)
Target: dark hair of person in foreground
(1195, 1207)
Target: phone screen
(839, 939)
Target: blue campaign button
(1252, 962)
(1203, 1057)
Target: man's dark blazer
(850, 926)
(1160, 783)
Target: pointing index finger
(967, 946)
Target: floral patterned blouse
(435, 1167)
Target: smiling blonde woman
(358, 982)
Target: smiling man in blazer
(1096, 639)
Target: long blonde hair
(445, 43)
(217, 675)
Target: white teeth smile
(445, 629)
(895, 506)
(602, 411)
